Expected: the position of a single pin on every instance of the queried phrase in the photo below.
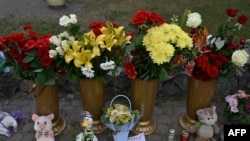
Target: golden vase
(200, 94)
(46, 101)
(143, 98)
(93, 100)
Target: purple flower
(230, 97)
(233, 103)
(17, 114)
(234, 109)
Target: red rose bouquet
(157, 48)
(219, 56)
(28, 55)
(90, 54)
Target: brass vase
(200, 94)
(143, 98)
(46, 102)
(93, 100)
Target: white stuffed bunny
(43, 127)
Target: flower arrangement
(120, 118)
(89, 54)
(238, 107)
(119, 114)
(27, 55)
(218, 56)
(157, 48)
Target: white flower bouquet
(120, 119)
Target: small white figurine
(6, 122)
(43, 127)
(87, 134)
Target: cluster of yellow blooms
(162, 42)
(119, 114)
(89, 46)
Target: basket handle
(111, 103)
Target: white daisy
(88, 72)
(109, 65)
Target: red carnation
(130, 70)
(230, 45)
(97, 31)
(43, 51)
(2, 40)
(155, 18)
(96, 24)
(201, 60)
(212, 71)
(231, 12)
(46, 61)
(14, 53)
(140, 17)
(61, 71)
(32, 34)
(15, 37)
(29, 45)
(27, 27)
(242, 19)
(242, 41)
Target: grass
(212, 11)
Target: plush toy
(6, 122)
(206, 126)
(43, 127)
(87, 134)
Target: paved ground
(166, 114)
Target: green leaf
(185, 18)
(28, 59)
(124, 45)
(163, 74)
(38, 70)
(130, 47)
(50, 82)
(31, 53)
(138, 39)
(130, 25)
(40, 78)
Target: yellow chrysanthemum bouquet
(120, 118)
(157, 49)
(90, 54)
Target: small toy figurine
(87, 134)
(43, 127)
(6, 122)
(206, 127)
